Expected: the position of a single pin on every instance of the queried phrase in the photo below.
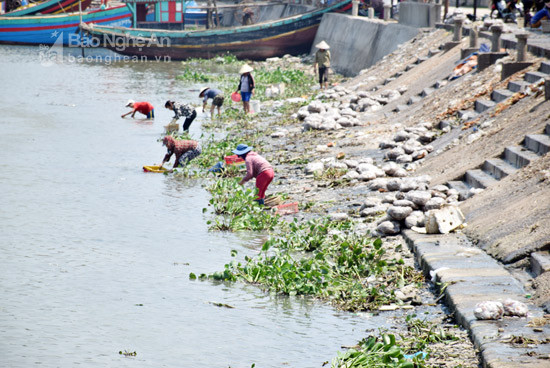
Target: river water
(96, 253)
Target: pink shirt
(255, 164)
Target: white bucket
(254, 106)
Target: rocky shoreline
(379, 150)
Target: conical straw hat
(245, 69)
(323, 45)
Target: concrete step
(478, 178)
(519, 156)
(545, 67)
(498, 168)
(547, 129)
(413, 100)
(409, 67)
(388, 80)
(467, 115)
(400, 108)
(499, 95)
(426, 91)
(421, 60)
(439, 84)
(540, 263)
(484, 105)
(538, 143)
(533, 77)
(397, 75)
(517, 86)
(462, 188)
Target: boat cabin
(165, 14)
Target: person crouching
(185, 151)
(256, 167)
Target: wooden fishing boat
(293, 35)
(50, 7)
(45, 30)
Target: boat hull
(50, 7)
(292, 35)
(46, 30)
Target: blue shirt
(211, 93)
(544, 12)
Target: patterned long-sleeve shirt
(255, 165)
(177, 147)
(182, 110)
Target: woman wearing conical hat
(246, 86)
(322, 60)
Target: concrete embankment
(410, 94)
(357, 42)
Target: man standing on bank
(217, 99)
(322, 60)
(182, 110)
(143, 107)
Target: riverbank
(314, 159)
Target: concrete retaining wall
(357, 42)
(419, 14)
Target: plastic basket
(154, 169)
(233, 160)
(172, 127)
(287, 208)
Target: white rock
(351, 175)
(404, 159)
(444, 220)
(372, 211)
(395, 153)
(370, 202)
(400, 173)
(389, 228)
(393, 185)
(434, 203)
(378, 183)
(338, 216)
(418, 197)
(416, 218)
(352, 164)
(314, 167)
(399, 213)
(316, 107)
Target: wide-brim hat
(323, 45)
(130, 102)
(248, 11)
(245, 69)
(242, 149)
(202, 90)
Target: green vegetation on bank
(223, 72)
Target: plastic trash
(489, 310)
(217, 168)
(420, 354)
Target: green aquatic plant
(340, 266)
(381, 352)
(235, 208)
(190, 75)
(297, 83)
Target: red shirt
(143, 107)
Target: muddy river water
(96, 254)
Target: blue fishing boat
(46, 30)
(49, 7)
(291, 35)
(168, 14)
